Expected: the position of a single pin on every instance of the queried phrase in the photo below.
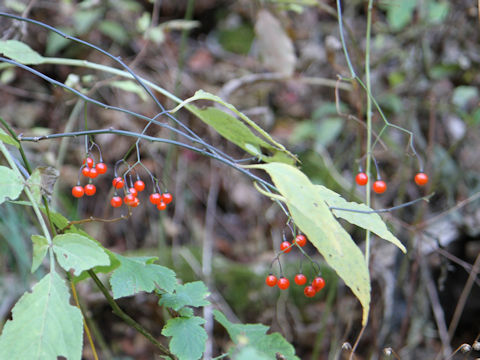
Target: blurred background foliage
(424, 66)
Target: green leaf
(11, 185)
(130, 86)
(34, 183)
(312, 215)
(188, 337)
(115, 31)
(248, 353)
(400, 13)
(462, 95)
(139, 274)
(7, 139)
(190, 294)
(62, 222)
(44, 325)
(255, 336)
(372, 222)
(40, 247)
(437, 11)
(203, 95)
(234, 130)
(78, 252)
(20, 52)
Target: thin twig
(463, 297)
(436, 307)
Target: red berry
(139, 185)
(283, 283)
(133, 191)
(129, 199)
(101, 168)
(379, 186)
(309, 291)
(167, 198)
(86, 171)
(271, 280)
(300, 279)
(300, 240)
(90, 189)
(318, 283)
(93, 173)
(285, 247)
(89, 161)
(118, 183)
(116, 201)
(161, 206)
(361, 179)
(78, 191)
(155, 198)
(421, 179)
(135, 203)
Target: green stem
(369, 121)
(31, 198)
(119, 312)
(99, 67)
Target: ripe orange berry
(283, 283)
(379, 186)
(286, 247)
(78, 191)
(361, 179)
(421, 179)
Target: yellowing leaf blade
(366, 219)
(311, 214)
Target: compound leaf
(255, 336)
(78, 252)
(40, 247)
(44, 325)
(11, 185)
(188, 337)
(372, 221)
(190, 294)
(312, 215)
(140, 274)
(20, 52)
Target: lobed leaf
(188, 337)
(255, 336)
(11, 185)
(190, 294)
(78, 252)
(312, 215)
(44, 325)
(140, 274)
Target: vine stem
(369, 122)
(36, 209)
(127, 319)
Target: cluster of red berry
(300, 279)
(380, 186)
(89, 170)
(131, 197)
